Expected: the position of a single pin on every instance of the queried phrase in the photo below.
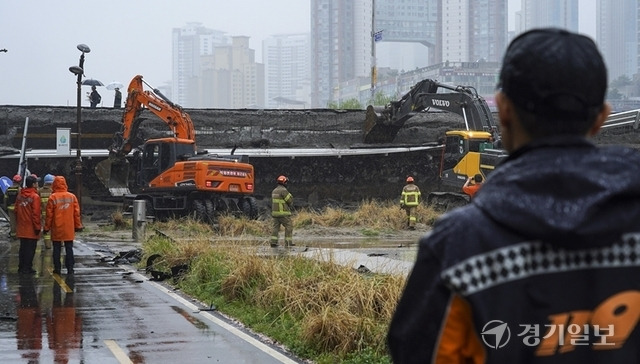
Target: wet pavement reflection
(107, 314)
(41, 308)
(64, 324)
(29, 320)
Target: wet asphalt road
(111, 314)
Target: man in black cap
(29, 224)
(543, 265)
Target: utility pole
(374, 74)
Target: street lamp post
(79, 71)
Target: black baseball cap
(30, 180)
(554, 72)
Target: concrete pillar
(139, 219)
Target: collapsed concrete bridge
(315, 180)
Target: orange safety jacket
(28, 213)
(63, 212)
(471, 189)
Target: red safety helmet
(409, 179)
(282, 180)
(17, 178)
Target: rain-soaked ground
(110, 313)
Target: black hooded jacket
(543, 266)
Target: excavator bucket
(445, 201)
(114, 174)
(377, 129)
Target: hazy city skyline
(130, 38)
(126, 38)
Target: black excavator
(465, 153)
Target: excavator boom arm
(137, 100)
(382, 125)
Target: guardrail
(631, 117)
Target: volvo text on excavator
(170, 173)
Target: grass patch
(319, 309)
(119, 221)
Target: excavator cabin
(467, 153)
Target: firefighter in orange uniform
(28, 224)
(63, 220)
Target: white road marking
(232, 329)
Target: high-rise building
(617, 36)
(286, 59)
(231, 78)
(190, 44)
(472, 30)
(409, 33)
(452, 30)
(210, 71)
(340, 45)
(550, 13)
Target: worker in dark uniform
(409, 201)
(45, 191)
(10, 196)
(543, 265)
(281, 206)
(117, 99)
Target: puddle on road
(400, 249)
(197, 323)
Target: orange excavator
(170, 173)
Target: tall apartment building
(190, 43)
(472, 30)
(550, 13)
(617, 36)
(340, 45)
(287, 64)
(453, 30)
(231, 78)
(409, 33)
(209, 70)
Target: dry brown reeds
(119, 222)
(336, 309)
(328, 308)
(378, 215)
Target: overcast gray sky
(126, 37)
(587, 16)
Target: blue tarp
(5, 182)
